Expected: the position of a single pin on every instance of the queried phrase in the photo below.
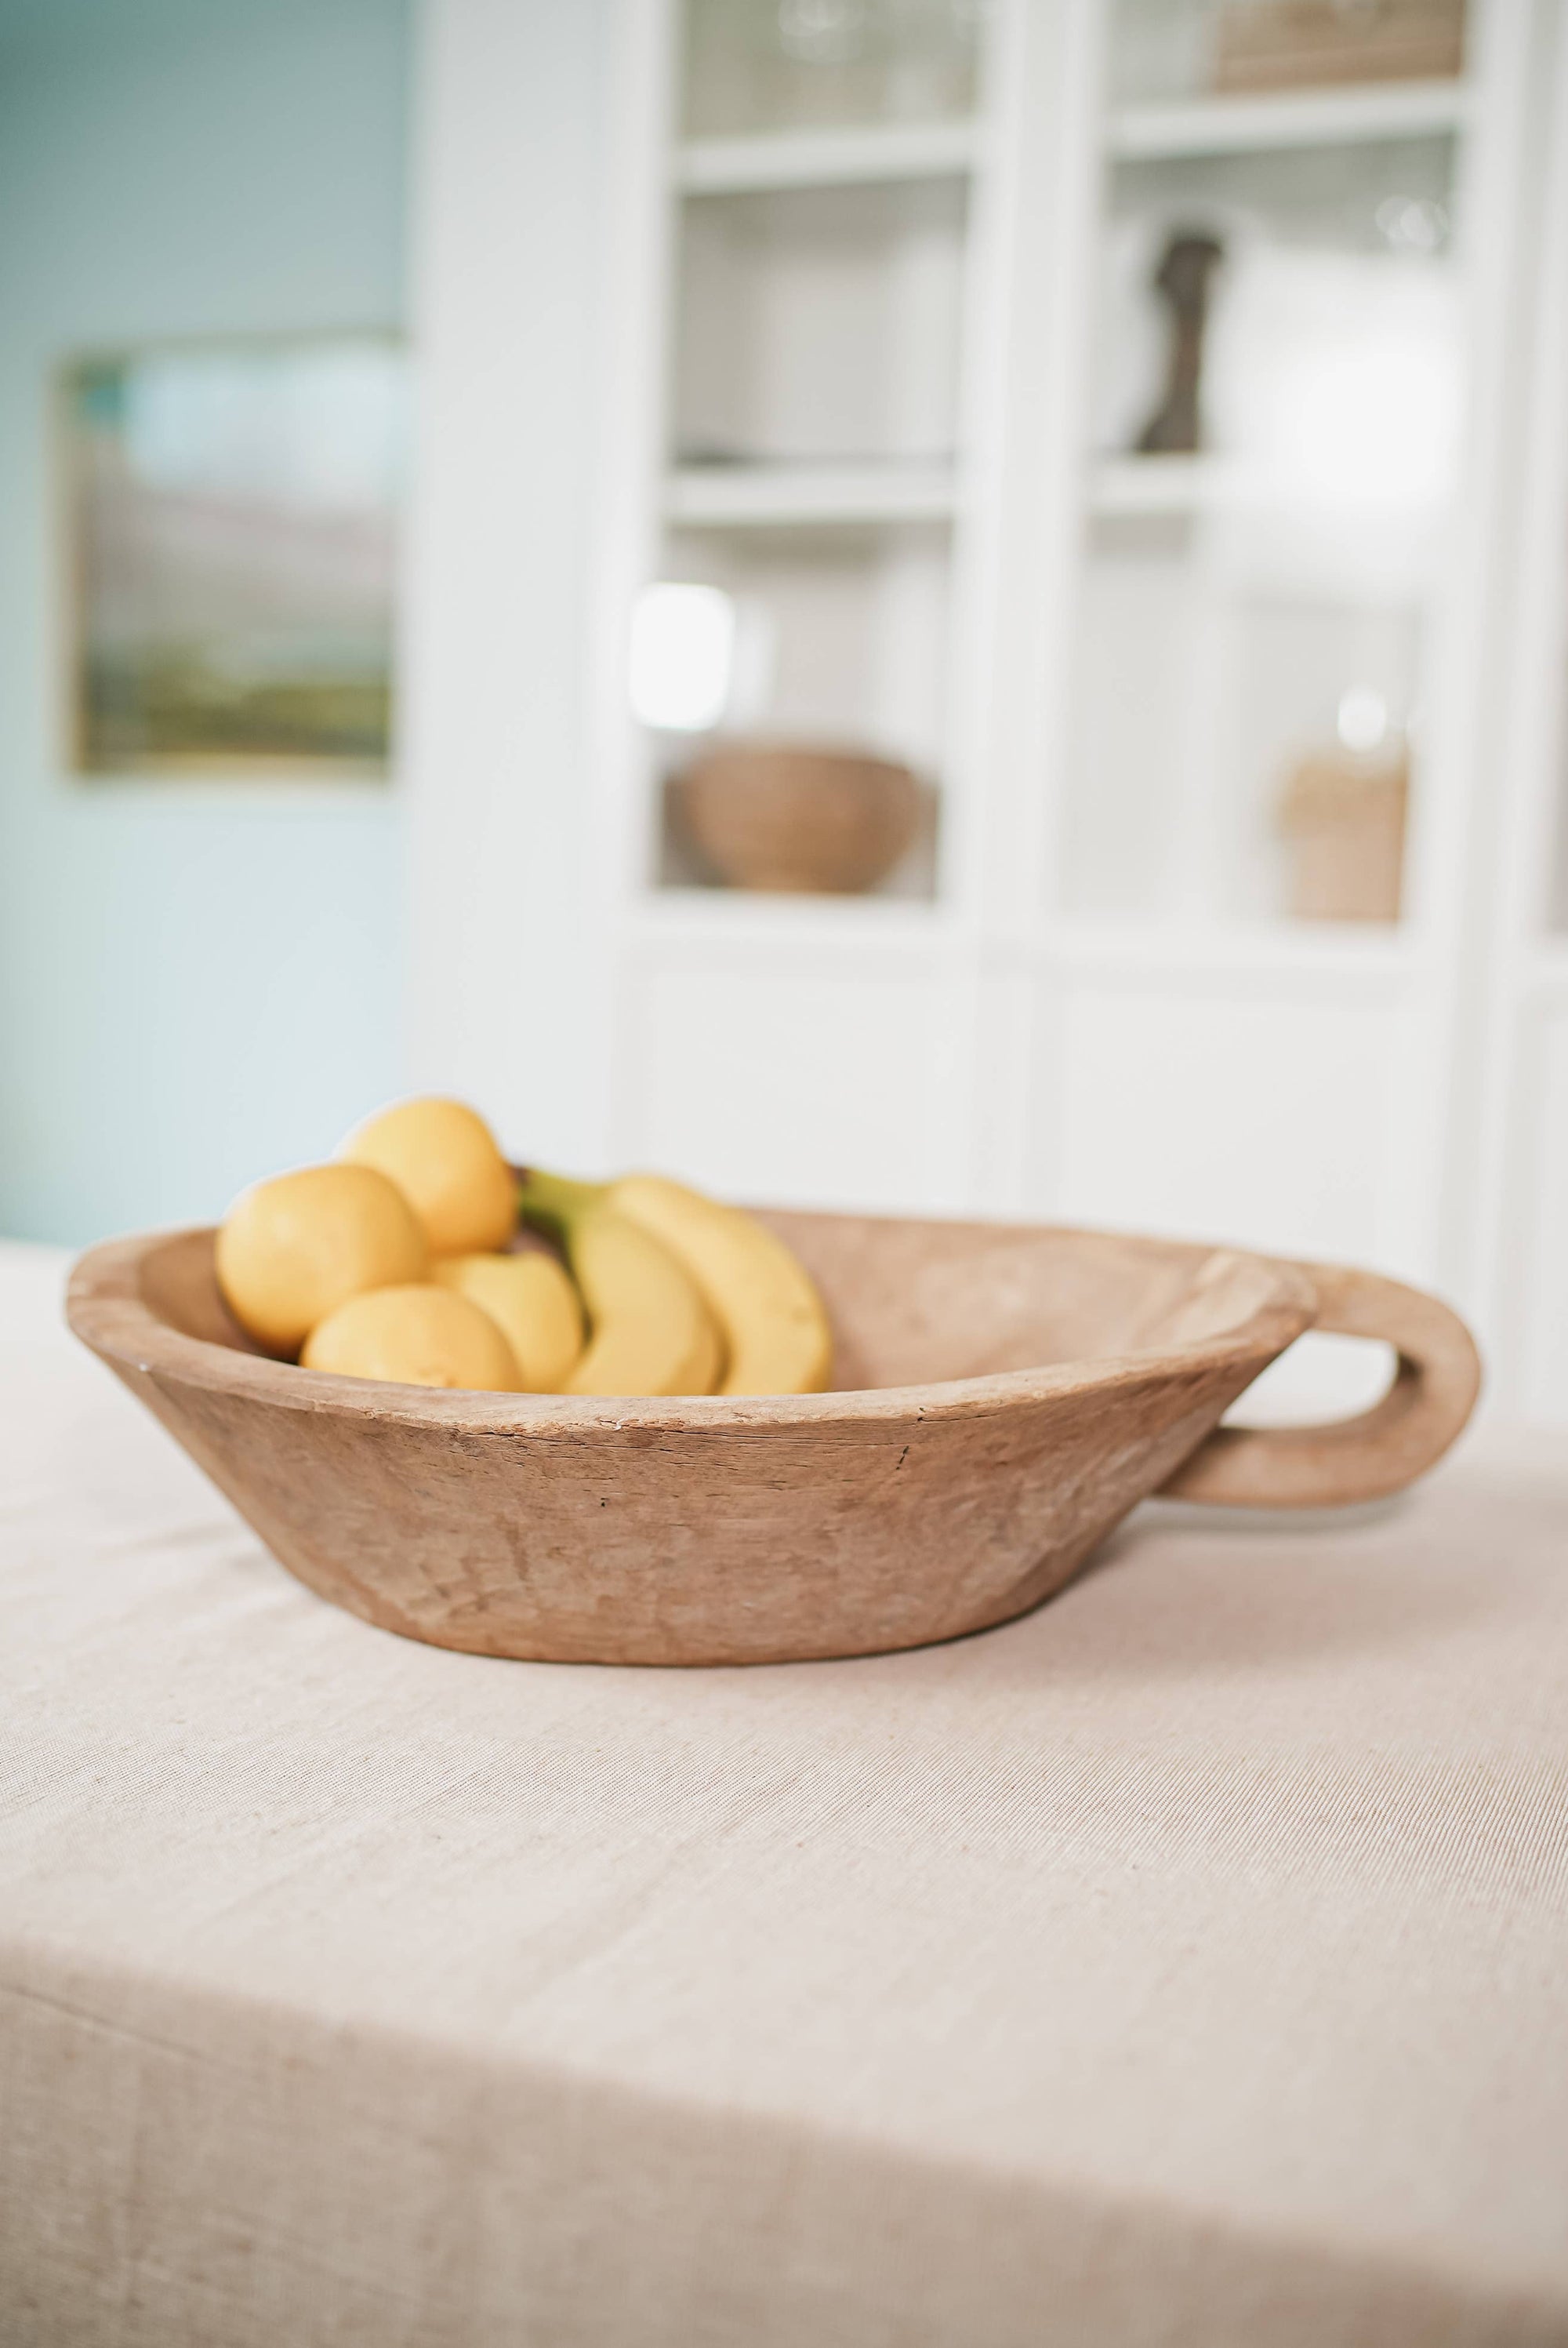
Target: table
(1187, 1963)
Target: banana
(533, 1304)
(767, 1308)
(649, 1331)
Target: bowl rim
(107, 1309)
(758, 751)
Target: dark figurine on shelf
(1182, 278)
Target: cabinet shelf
(741, 918)
(826, 158)
(1208, 484)
(1318, 117)
(1163, 485)
(753, 496)
(1341, 953)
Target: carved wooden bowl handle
(1361, 1459)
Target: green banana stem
(552, 1202)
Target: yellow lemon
(291, 1250)
(419, 1336)
(533, 1303)
(443, 1158)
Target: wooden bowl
(783, 818)
(1007, 1394)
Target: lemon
(290, 1250)
(443, 1158)
(533, 1303)
(416, 1337)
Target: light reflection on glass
(682, 656)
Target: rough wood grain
(1005, 1396)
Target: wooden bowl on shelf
(1006, 1395)
(783, 817)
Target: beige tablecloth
(1187, 1963)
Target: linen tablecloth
(1185, 1963)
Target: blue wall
(199, 982)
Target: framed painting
(232, 520)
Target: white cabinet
(1243, 903)
(1267, 1115)
(1535, 1266)
(1509, 1139)
(825, 1074)
(1208, 928)
(819, 324)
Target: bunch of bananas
(401, 1261)
(683, 1295)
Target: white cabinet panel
(820, 324)
(1543, 1259)
(1268, 1120)
(845, 632)
(789, 1084)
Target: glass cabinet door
(790, 65)
(813, 429)
(1198, 48)
(1275, 413)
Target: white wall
(198, 981)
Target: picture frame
(230, 518)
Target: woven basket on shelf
(783, 817)
(1302, 44)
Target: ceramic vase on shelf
(1343, 819)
